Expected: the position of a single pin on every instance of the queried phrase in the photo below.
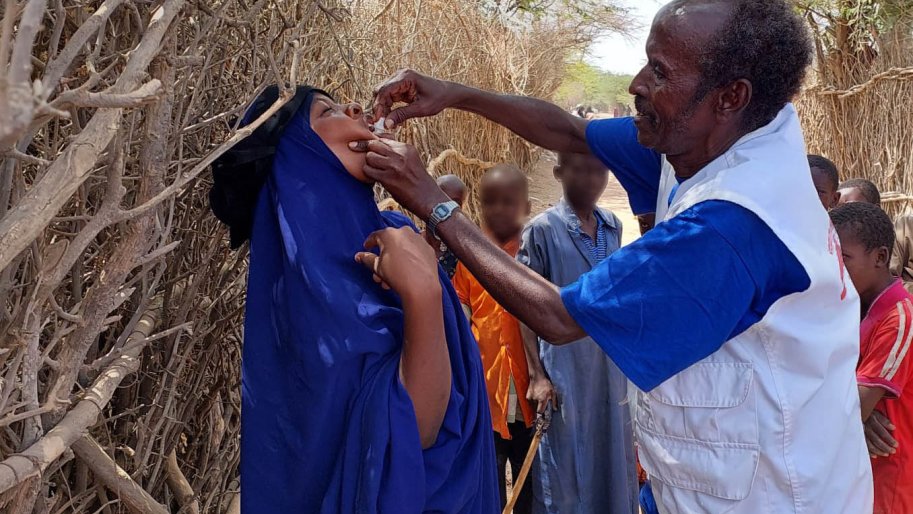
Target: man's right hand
(425, 96)
(878, 435)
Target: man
(826, 180)
(859, 190)
(732, 316)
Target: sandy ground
(546, 191)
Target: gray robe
(586, 460)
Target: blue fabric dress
(327, 426)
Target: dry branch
(21, 225)
(115, 478)
(50, 447)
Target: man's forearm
(529, 297)
(537, 121)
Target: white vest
(769, 423)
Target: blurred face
(850, 195)
(583, 178)
(825, 188)
(337, 125)
(669, 119)
(865, 267)
(457, 193)
(505, 205)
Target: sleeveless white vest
(770, 423)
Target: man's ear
(734, 98)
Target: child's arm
(868, 398)
(409, 267)
(540, 388)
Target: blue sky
(618, 54)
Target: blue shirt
(598, 247)
(674, 296)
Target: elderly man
(733, 316)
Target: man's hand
(424, 95)
(405, 262)
(398, 167)
(542, 392)
(878, 436)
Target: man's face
(825, 188)
(670, 119)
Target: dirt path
(546, 191)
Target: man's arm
(529, 297)
(537, 121)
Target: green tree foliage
(587, 84)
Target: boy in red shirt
(884, 370)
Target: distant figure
(504, 195)
(586, 459)
(902, 256)
(456, 190)
(826, 179)
(859, 190)
(884, 370)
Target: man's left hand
(398, 167)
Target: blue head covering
(327, 427)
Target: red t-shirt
(884, 361)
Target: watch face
(441, 210)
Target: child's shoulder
(547, 219)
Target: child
(504, 195)
(867, 237)
(826, 179)
(859, 190)
(586, 459)
(456, 190)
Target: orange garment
(501, 345)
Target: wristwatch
(441, 213)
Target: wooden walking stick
(543, 420)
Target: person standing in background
(586, 460)
(504, 197)
(886, 334)
(826, 180)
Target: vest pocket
(709, 401)
(722, 470)
(699, 434)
